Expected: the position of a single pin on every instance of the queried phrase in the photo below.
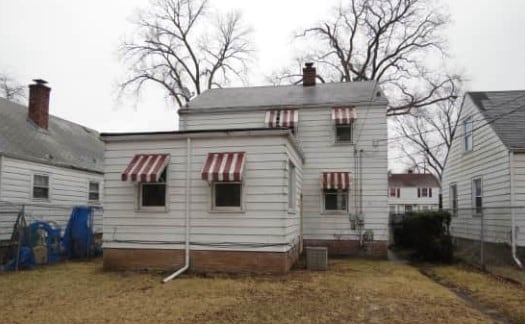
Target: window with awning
(336, 186)
(224, 171)
(283, 118)
(343, 118)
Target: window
(343, 133)
(467, 130)
(153, 194)
(335, 200)
(291, 186)
(392, 209)
(477, 198)
(94, 191)
(40, 186)
(424, 192)
(454, 199)
(227, 194)
(408, 208)
(394, 192)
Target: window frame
(468, 130)
(292, 190)
(227, 209)
(453, 196)
(477, 211)
(345, 211)
(350, 126)
(40, 174)
(392, 190)
(424, 192)
(140, 194)
(98, 191)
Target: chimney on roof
(39, 103)
(309, 75)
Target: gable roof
(505, 111)
(64, 143)
(420, 180)
(290, 95)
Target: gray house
(484, 177)
(47, 164)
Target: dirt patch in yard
(350, 291)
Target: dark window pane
(227, 195)
(343, 133)
(335, 200)
(153, 194)
(93, 196)
(479, 205)
(40, 193)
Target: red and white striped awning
(287, 118)
(223, 167)
(335, 180)
(343, 115)
(145, 167)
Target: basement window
(41, 186)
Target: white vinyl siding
(67, 188)
(489, 160)
(263, 221)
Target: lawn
(351, 291)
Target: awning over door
(343, 115)
(145, 167)
(223, 166)
(287, 118)
(335, 180)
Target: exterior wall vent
(316, 258)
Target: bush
(428, 234)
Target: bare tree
(425, 136)
(389, 41)
(11, 90)
(181, 48)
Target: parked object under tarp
(78, 237)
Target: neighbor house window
(454, 199)
(477, 196)
(392, 209)
(153, 194)
(94, 191)
(393, 192)
(40, 186)
(291, 186)
(227, 195)
(335, 199)
(343, 133)
(467, 130)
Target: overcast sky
(72, 44)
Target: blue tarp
(27, 260)
(78, 236)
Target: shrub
(428, 234)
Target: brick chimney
(309, 75)
(39, 103)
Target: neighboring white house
(485, 171)
(409, 192)
(47, 164)
(312, 173)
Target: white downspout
(187, 218)
(513, 222)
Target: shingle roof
(505, 111)
(290, 95)
(64, 143)
(420, 180)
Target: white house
(412, 192)
(485, 171)
(47, 164)
(259, 172)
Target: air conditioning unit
(316, 258)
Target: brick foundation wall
(375, 249)
(201, 261)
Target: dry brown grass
(505, 297)
(351, 291)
